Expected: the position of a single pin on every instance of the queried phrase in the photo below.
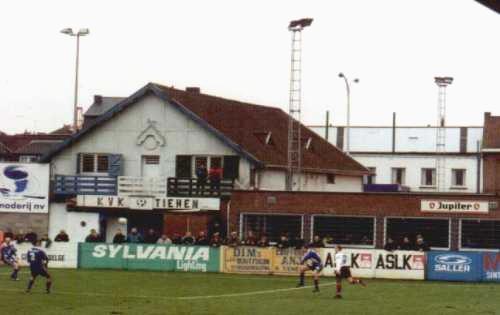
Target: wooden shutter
(183, 166)
(231, 167)
(115, 165)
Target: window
(330, 178)
(458, 177)
(345, 230)
(273, 226)
(371, 178)
(480, 234)
(28, 158)
(151, 159)
(398, 175)
(94, 163)
(428, 177)
(183, 166)
(434, 231)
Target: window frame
(208, 158)
(95, 171)
(423, 183)
(466, 249)
(421, 218)
(242, 214)
(372, 177)
(394, 175)
(453, 178)
(374, 238)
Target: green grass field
(134, 292)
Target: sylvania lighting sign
(454, 206)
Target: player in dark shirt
(38, 261)
(9, 257)
(310, 261)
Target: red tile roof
(246, 123)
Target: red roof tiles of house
(245, 123)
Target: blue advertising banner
(491, 267)
(454, 266)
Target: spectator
(61, 237)
(366, 240)
(263, 242)
(421, 245)
(233, 240)
(31, 237)
(251, 239)
(164, 240)
(390, 245)
(299, 243)
(317, 242)
(119, 237)
(216, 240)
(134, 236)
(188, 239)
(283, 242)
(151, 237)
(406, 245)
(93, 237)
(8, 234)
(19, 238)
(327, 241)
(215, 176)
(215, 228)
(46, 240)
(177, 239)
(202, 239)
(201, 178)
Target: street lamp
(348, 90)
(81, 32)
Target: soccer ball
(122, 220)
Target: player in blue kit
(9, 257)
(310, 261)
(38, 261)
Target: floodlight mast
(294, 156)
(442, 83)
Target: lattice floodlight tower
(294, 157)
(442, 83)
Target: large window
(345, 230)
(273, 226)
(434, 231)
(428, 177)
(398, 175)
(480, 234)
(186, 165)
(458, 177)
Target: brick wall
(379, 205)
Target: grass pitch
(137, 292)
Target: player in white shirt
(343, 271)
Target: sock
(339, 288)
(301, 278)
(356, 281)
(316, 284)
(14, 274)
(30, 284)
(48, 284)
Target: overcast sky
(241, 50)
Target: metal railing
(180, 187)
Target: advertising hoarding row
(61, 255)
(463, 266)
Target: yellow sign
(287, 261)
(247, 260)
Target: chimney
(98, 99)
(193, 89)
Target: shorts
(39, 272)
(345, 272)
(315, 267)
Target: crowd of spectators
(406, 244)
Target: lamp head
(83, 31)
(341, 75)
(356, 80)
(67, 31)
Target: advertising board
(253, 260)
(454, 266)
(491, 267)
(61, 255)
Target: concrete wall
(414, 164)
(71, 222)
(21, 223)
(408, 139)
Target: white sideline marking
(199, 297)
